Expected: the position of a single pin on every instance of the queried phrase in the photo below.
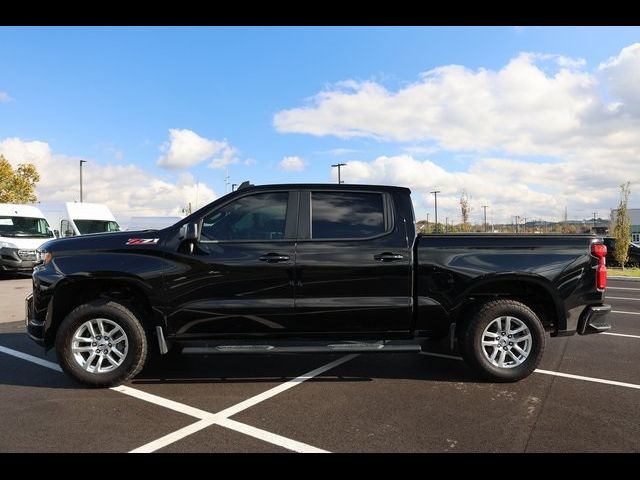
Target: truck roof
(20, 210)
(332, 186)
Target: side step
(306, 347)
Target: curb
(629, 279)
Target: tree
(465, 210)
(622, 228)
(17, 186)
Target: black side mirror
(56, 233)
(189, 231)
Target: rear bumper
(35, 327)
(594, 320)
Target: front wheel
(101, 343)
(504, 341)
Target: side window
(65, 229)
(346, 215)
(254, 217)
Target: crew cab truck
(311, 268)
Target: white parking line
(623, 298)
(622, 288)
(207, 419)
(557, 374)
(31, 358)
(588, 379)
(626, 313)
(621, 334)
(269, 437)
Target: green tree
(465, 210)
(17, 186)
(622, 227)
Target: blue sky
(111, 95)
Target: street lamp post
(435, 193)
(339, 165)
(484, 207)
(81, 162)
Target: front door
(239, 277)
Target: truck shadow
(14, 275)
(231, 369)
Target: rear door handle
(273, 258)
(388, 257)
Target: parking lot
(584, 398)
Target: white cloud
(186, 148)
(537, 104)
(292, 164)
(529, 138)
(5, 97)
(510, 187)
(126, 189)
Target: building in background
(634, 217)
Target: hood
(106, 241)
(25, 243)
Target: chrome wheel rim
(99, 345)
(506, 342)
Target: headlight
(7, 245)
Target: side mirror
(56, 233)
(189, 231)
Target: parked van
(70, 218)
(23, 228)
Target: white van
(70, 218)
(23, 228)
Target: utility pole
(436, 192)
(233, 187)
(226, 180)
(339, 165)
(81, 162)
(484, 207)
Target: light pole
(484, 207)
(339, 165)
(81, 162)
(435, 193)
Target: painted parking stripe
(626, 313)
(173, 436)
(228, 412)
(163, 402)
(621, 334)
(207, 418)
(557, 374)
(269, 437)
(622, 288)
(589, 379)
(623, 298)
(219, 417)
(31, 358)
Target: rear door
(353, 264)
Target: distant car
(634, 253)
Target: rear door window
(346, 215)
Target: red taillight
(600, 250)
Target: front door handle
(388, 257)
(273, 258)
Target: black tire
(134, 359)
(471, 340)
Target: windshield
(96, 226)
(24, 227)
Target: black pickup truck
(306, 269)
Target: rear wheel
(504, 341)
(101, 343)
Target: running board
(342, 347)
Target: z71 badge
(142, 241)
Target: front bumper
(35, 327)
(13, 259)
(593, 320)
